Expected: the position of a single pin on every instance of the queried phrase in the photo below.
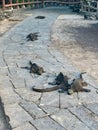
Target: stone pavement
(29, 110)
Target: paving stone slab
(8, 52)
(91, 81)
(23, 59)
(92, 107)
(9, 96)
(49, 109)
(40, 79)
(86, 116)
(18, 82)
(63, 61)
(2, 63)
(28, 95)
(33, 109)
(20, 73)
(17, 115)
(91, 97)
(67, 101)
(69, 121)
(5, 82)
(50, 98)
(25, 126)
(13, 70)
(3, 71)
(47, 123)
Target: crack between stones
(12, 84)
(39, 100)
(21, 96)
(49, 115)
(5, 62)
(16, 91)
(18, 94)
(90, 110)
(34, 117)
(33, 125)
(57, 122)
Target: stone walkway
(26, 109)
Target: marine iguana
(34, 68)
(77, 85)
(61, 81)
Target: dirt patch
(77, 39)
(16, 16)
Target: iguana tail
(46, 89)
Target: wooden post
(88, 7)
(97, 7)
(11, 4)
(97, 11)
(43, 3)
(3, 4)
(17, 3)
(23, 6)
(29, 4)
(81, 5)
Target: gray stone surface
(33, 109)
(29, 110)
(46, 99)
(9, 96)
(92, 107)
(86, 116)
(47, 123)
(69, 121)
(25, 126)
(17, 115)
(28, 95)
